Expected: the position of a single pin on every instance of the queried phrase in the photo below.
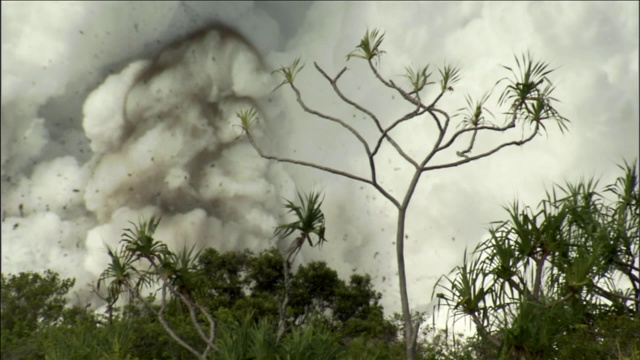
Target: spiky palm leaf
(181, 269)
(140, 242)
(120, 275)
(369, 46)
(474, 115)
(528, 93)
(288, 72)
(418, 78)
(449, 76)
(309, 220)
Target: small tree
(548, 282)
(309, 220)
(526, 94)
(174, 272)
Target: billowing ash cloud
(173, 144)
(160, 137)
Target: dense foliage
(558, 282)
(332, 318)
(561, 283)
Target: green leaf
(369, 47)
(528, 93)
(449, 76)
(474, 115)
(247, 117)
(289, 72)
(309, 220)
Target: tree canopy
(558, 281)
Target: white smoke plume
(114, 111)
(162, 141)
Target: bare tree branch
(167, 327)
(393, 86)
(331, 118)
(386, 131)
(208, 340)
(484, 331)
(323, 168)
(490, 152)
(385, 134)
(475, 129)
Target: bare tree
(527, 93)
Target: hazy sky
(86, 147)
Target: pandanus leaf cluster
(143, 262)
(551, 269)
(309, 220)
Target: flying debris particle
(376, 254)
(384, 278)
(16, 226)
(20, 210)
(81, 32)
(76, 190)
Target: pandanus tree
(142, 262)
(309, 220)
(552, 278)
(526, 100)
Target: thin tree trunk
(410, 329)
(282, 324)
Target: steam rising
(175, 146)
(164, 141)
